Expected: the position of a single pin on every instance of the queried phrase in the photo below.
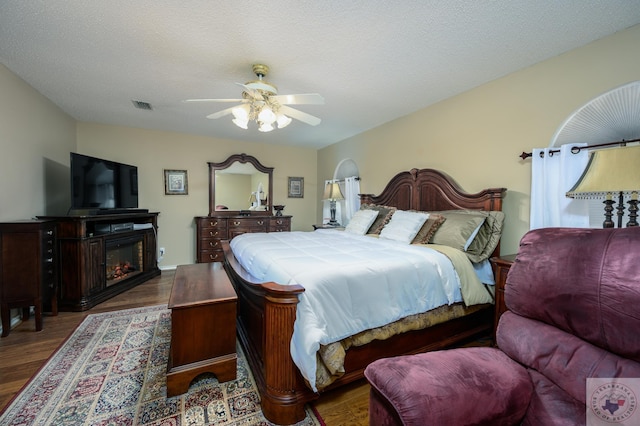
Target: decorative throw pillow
(429, 228)
(361, 221)
(404, 226)
(459, 229)
(384, 215)
(487, 238)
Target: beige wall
(153, 151)
(35, 139)
(476, 137)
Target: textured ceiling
(372, 60)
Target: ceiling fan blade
(299, 115)
(222, 113)
(215, 100)
(300, 99)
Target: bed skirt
(330, 358)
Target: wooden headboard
(432, 190)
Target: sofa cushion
(416, 385)
(583, 281)
(550, 406)
(562, 357)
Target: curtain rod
(577, 149)
(342, 180)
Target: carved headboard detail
(432, 190)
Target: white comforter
(352, 283)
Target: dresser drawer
(248, 224)
(216, 233)
(206, 256)
(211, 230)
(280, 224)
(212, 222)
(210, 244)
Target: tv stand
(102, 212)
(95, 265)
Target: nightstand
(501, 266)
(327, 226)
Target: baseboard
(168, 267)
(16, 318)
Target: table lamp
(613, 171)
(332, 193)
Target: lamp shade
(332, 192)
(609, 171)
(283, 121)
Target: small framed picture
(296, 187)
(175, 182)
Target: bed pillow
(488, 237)
(361, 221)
(404, 226)
(429, 228)
(459, 229)
(384, 215)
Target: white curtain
(326, 212)
(351, 190)
(552, 175)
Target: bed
(267, 310)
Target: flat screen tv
(98, 184)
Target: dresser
(210, 230)
(28, 269)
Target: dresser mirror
(240, 185)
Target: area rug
(112, 371)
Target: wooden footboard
(266, 313)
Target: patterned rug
(112, 371)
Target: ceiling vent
(142, 105)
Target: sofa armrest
(453, 387)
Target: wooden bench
(203, 326)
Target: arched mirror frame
(241, 158)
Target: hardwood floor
(24, 351)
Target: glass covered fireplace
(124, 258)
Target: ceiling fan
(260, 102)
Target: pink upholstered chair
(574, 313)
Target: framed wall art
(175, 182)
(296, 187)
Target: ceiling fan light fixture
(261, 103)
(243, 124)
(266, 115)
(241, 112)
(265, 127)
(283, 121)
